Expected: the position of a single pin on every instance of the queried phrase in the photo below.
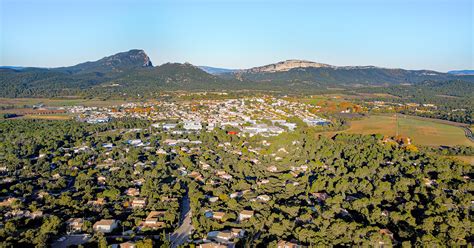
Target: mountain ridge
(133, 71)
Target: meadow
(421, 131)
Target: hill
(313, 73)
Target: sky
(410, 34)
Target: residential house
(192, 125)
(245, 214)
(105, 225)
(139, 202)
(263, 198)
(218, 215)
(152, 222)
(272, 168)
(74, 225)
(132, 192)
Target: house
(224, 236)
(204, 166)
(245, 214)
(132, 192)
(218, 215)
(223, 175)
(286, 244)
(161, 152)
(196, 176)
(35, 214)
(105, 225)
(101, 180)
(74, 225)
(152, 222)
(237, 232)
(192, 125)
(135, 142)
(272, 168)
(263, 181)
(139, 202)
(220, 236)
(169, 126)
(239, 193)
(263, 198)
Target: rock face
(287, 65)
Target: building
(132, 192)
(272, 168)
(263, 198)
(169, 126)
(105, 225)
(315, 121)
(245, 214)
(192, 125)
(218, 215)
(139, 202)
(74, 225)
(152, 222)
(286, 244)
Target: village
(118, 173)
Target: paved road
(468, 133)
(75, 239)
(180, 235)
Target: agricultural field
(57, 117)
(421, 131)
(58, 102)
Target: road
(468, 133)
(75, 239)
(180, 235)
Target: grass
(422, 132)
(465, 159)
(49, 117)
(58, 102)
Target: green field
(58, 102)
(423, 132)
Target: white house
(105, 225)
(245, 214)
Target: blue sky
(412, 34)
